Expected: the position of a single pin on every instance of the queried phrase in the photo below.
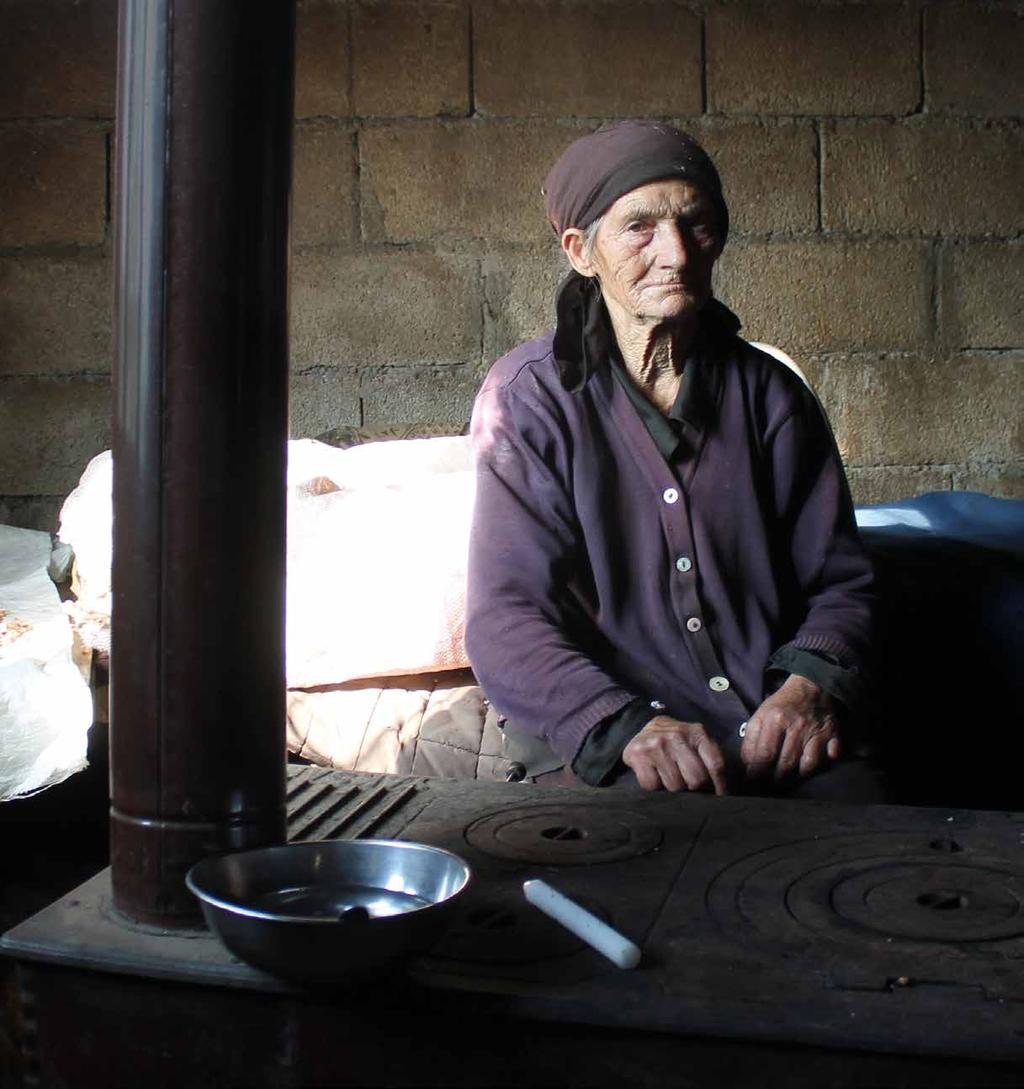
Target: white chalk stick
(610, 943)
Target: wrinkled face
(653, 252)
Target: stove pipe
(204, 118)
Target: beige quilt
(425, 724)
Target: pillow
(377, 543)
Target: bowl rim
(233, 907)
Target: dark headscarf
(592, 173)
(588, 178)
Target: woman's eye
(703, 234)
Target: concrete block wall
(871, 152)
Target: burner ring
(879, 884)
(912, 898)
(564, 834)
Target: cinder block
(984, 295)
(55, 315)
(829, 295)
(321, 400)
(1004, 479)
(925, 412)
(457, 181)
(937, 177)
(973, 59)
(889, 483)
(322, 72)
(49, 429)
(53, 185)
(391, 309)
(424, 395)
(58, 58)
(769, 173)
(324, 185)
(31, 511)
(410, 58)
(813, 368)
(519, 298)
(603, 59)
(812, 58)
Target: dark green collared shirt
(667, 431)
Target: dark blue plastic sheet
(949, 682)
(971, 518)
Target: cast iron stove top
(877, 927)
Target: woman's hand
(675, 755)
(794, 730)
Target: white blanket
(376, 569)
(377, 544)
(45, 705)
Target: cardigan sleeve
(829, 562)
(522, 554)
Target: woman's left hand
(794, 730)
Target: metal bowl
(319, 912)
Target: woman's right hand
(673, 755)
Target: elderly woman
(666, 584)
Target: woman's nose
(673, 245)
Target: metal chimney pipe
(204, 119)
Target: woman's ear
(574, 247)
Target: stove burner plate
(574, 835)
(876, 884)
(616, 860)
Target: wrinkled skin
(672, 755)
(653, 256)
(791, 735)
(793, 732)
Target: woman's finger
(790, 753)
(813, 754)
(669, 771)
(690, 766)
(712, 759)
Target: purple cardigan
(599, 572)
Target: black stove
(882, 928)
